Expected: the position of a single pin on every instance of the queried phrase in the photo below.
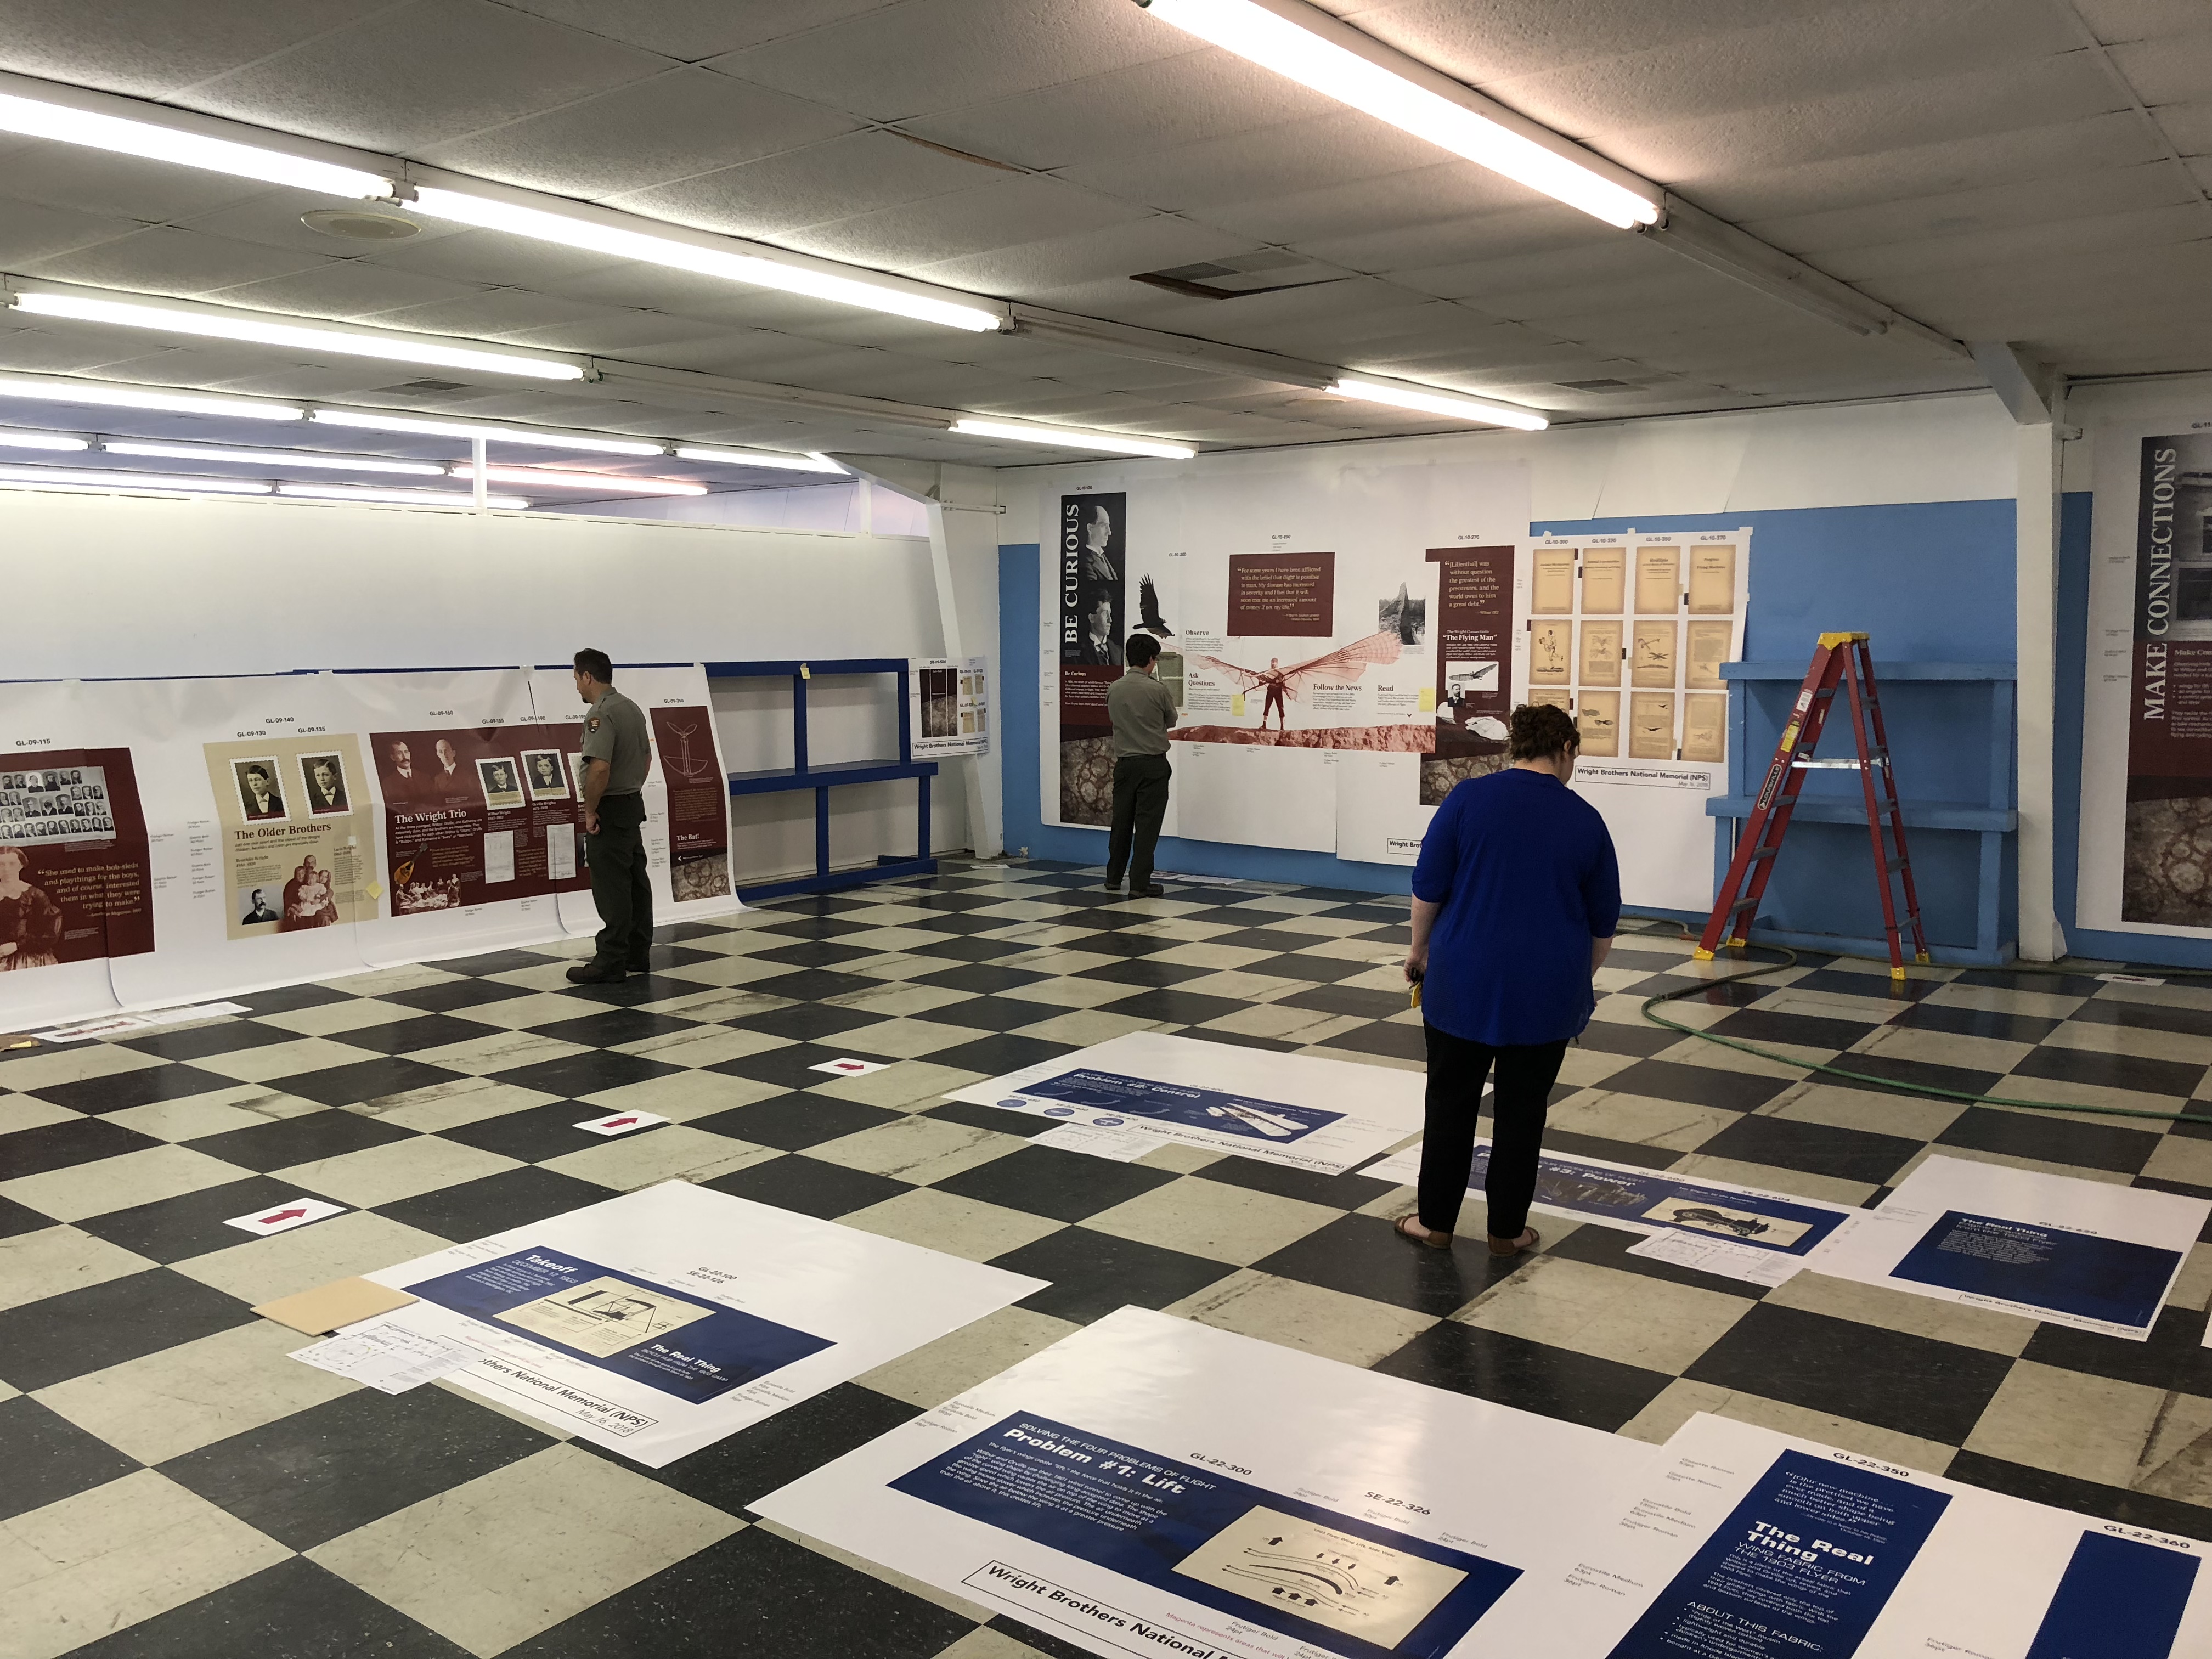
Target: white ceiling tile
(1011, 210)
(674, 125)
(690, 30)
(2114, 20)
(29, 235)
(2188, 126)
(166, 260)
(1340, 148)
(156, 48)
(428, 71)
(125, 187)
(491, 314)
(1129, 113)
(925, 56)
(2174, 69)
(2071, 196)
(1110, 253)
(824, 182)
(2004, 251)
(349, 290)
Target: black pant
(1140, 801)
(1456, 1069)
(619, 889)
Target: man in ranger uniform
(617, 757)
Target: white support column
(479, 486)
(2041, 940)
(2032, 392)
(985, 825)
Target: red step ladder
(1841, 663)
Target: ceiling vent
(360, 224)
(1597, 386)
(1269, 271)
(426, 386)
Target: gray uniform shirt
(614, 731)
(1142, 710)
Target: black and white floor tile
(174, 1486)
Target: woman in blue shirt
(1516, 898)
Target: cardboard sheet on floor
(2089, 1253)
(1761, 1226)
(1320, 1114)
(1151, 1486)
(1746, 1544)
(659, 1321)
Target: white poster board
(1326, 1115)
(2088, 1254)
(1746, 1544)
(948, 707)
(657, 1322)
(1150, 1486)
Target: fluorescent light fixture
(757, 269)
(1067, 437)
(1315, 50)
(122, 479)
(1452, 405)
(306, 458)
(606, 483)
(780, 459)
(319, 492)
(40, 440)
(300, 336)
(535, 437)
(61, 389)
(34, 117)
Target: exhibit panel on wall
(76, 883)
(660, 1321)
(1628, 632)
(949, 707)
(1742, 1543)
(1149, 1485)
(2146, 845)
(1297, 610)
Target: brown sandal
(1409, 1226)
(1505, 1249)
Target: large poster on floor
(1737, 1542)
(1151, 1486)
(2146, 863)
(662, 1320)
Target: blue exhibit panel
(2119, 1598)
(702, 1351)
(1306, 1572)
(1801, 1569)
(1655, 1199)
(1176, 1103)
(2110, 1280)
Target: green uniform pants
(619, 889)
(1140, 802)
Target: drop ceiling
(2029, 170)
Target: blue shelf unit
(803, 774)
(1951, 735)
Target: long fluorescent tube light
(1065, 437)
(319, 492)
(304, 458)
(38, 118)
(122, 479)
(40, 440)
(605, 483)
(61, 389)
(534, 437)
(1315, 50)
(576, 231)
(1453, 404)
(780, 459)
(308, 337)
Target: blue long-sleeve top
(1525, 871)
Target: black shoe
(1150, 890)
(640, 967)
(595, 973)
(1113, 886)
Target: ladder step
(1743, 904)
(1766, 853)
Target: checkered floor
(174, 1486)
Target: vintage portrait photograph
(259, 795)
(542, 775)
(503, 784)
(323, 784)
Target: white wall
(132, 586)
(1956, 447)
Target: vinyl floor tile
(294, 1608)
(49, 1458)
(808, 1186)
(1534, 1376)
(103, 1325)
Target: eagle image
(1148, 610)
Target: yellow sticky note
(1236, 703)
(1428, 700)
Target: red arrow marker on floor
(618, 1122)
(281, 1215)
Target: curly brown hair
(1540, 730)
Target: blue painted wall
(1929, 582)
